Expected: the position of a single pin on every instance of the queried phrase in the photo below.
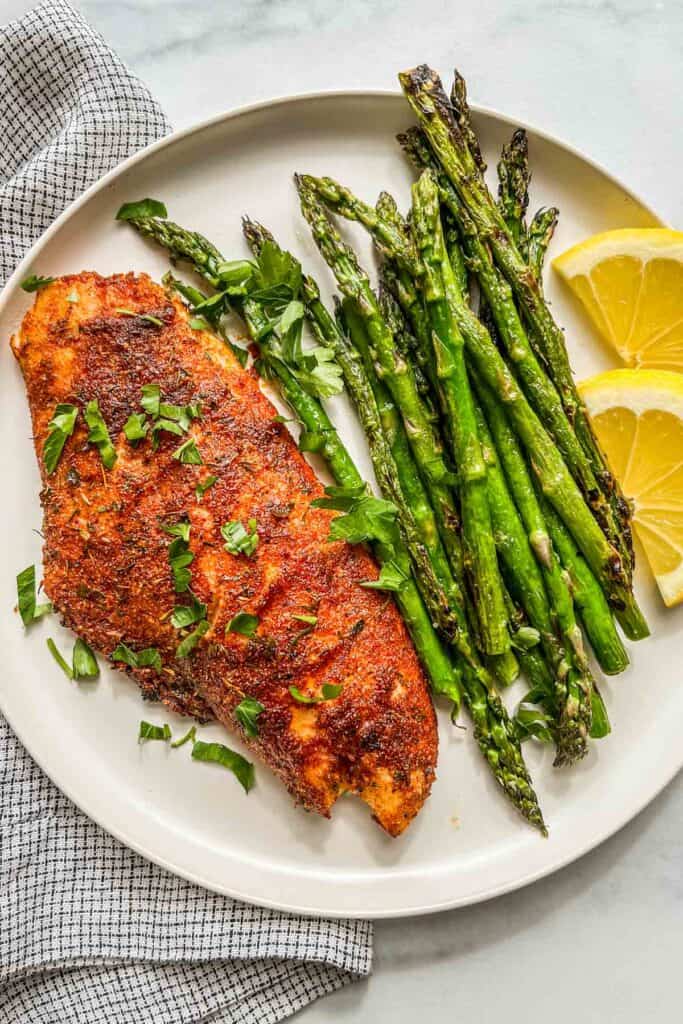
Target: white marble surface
(601, 941)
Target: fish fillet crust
(107, 571)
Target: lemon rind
(638, 390)
(640, 243)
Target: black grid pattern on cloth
(90, 931)
(69, 112)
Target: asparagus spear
(574, 684)
(589, 600)
(539, 234)
(424, 92)
(503, 666)
(554, 477)
(513, 176)
(502, 311)
(439, 288)
(425, 445)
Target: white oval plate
(467, 844)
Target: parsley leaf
(238, 540)
(247, 712)
(180, 529)
(391, 577)
(243, 623)
(148, 658)
(234, 272)
(182, 414)
(99, 435)
(203, 486)
(367, 519)
(154, 732)
(143, 316)
(60, 427)
(531, 721)
(151, 399)
(179, 557)
(188, 454)
(140, 209)
(187, 738)
(26, 597)
(136, 426)
(33, 283)
(242, 769)
(187, 614)
(328, 692)
(84, 661)
(198, 323)
(309, 620)
(165, 425)
(187, 645)
(63, 664)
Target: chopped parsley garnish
(273, 308)
(531, 721)
(143, 316)
(60, 427)
(154, 732)
(202, 487)
(151, 399)
(328, 692)
(243, 623)
(365, 518)
(247, 712)
(63, 664)
(187, 738)
(198, 323)
(168, 426)
(391, 577)
(186, 646)
(72, 296)
(99, 435)
(26, 597)
(84, 661)
(148, 658)
(185, 615)
(242, 769)
(238, 540)
(180, 557)
(169, 418)
(180, 529)
(309, 620)
(188, 453)
(234, 271)
(141, 209)
(136, 426)
(33, 283)
(182, 414)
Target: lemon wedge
(631, 284)
(638, 417)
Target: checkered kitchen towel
(89, 931)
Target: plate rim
(119, 832)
